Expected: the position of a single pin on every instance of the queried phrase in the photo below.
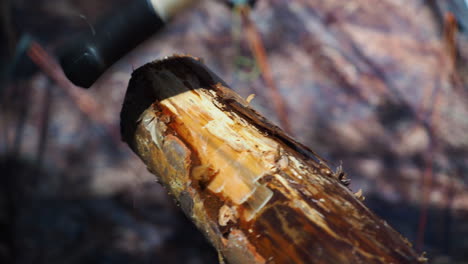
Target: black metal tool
(89, 54)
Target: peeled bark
(257, 195)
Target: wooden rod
(258, 195)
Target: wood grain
(257, 194)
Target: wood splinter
(258, 195)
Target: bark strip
(258, 195)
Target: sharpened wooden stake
(257, 195)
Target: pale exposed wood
(258, 195)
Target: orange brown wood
(258, 195)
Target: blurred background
(379, 86)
